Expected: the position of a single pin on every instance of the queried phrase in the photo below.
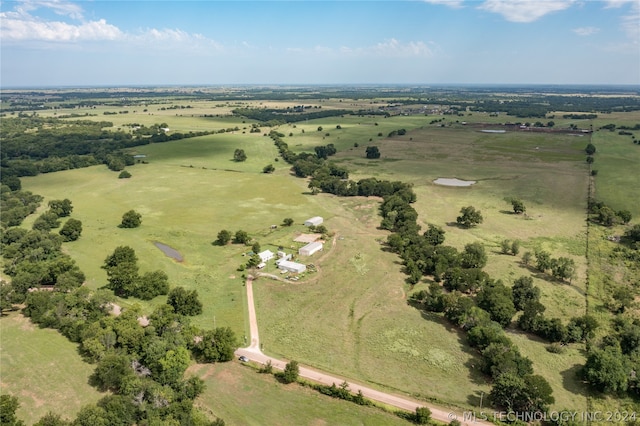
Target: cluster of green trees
(225, 236)
(70, 144)
(34, 258)
(125, 281)
(604, 215)
(273, 116)
(612, 364)
(526, 298)
(142, 367)
(515, 387)
(562, 268)
(17, 204)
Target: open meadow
(351, 317)
(43, 369)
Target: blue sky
(115, 43)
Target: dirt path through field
(253, 352)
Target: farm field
(371, 334)
(351, 317)
(43, 369)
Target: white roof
(291, 265)
(312, 246)
(266, 255)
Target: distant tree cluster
(131, 219)
(124, 280)
(225, 236)
(600, 213)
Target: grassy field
(617, 159)
(242, 396)
(351, 318)
(43, 370)
(184, 207)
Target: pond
(169, 251)
(453, 182)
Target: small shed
(266, 255)
(314, 221)
(310, 248)
(289, 266)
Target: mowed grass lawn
(43, 370)
(242, 396)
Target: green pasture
(184, 207)
(242, 396)
(560, 370)
(352, 317)
(43, 370)
(617, 160)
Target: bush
(124, 175)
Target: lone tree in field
(241, 237)
(469, 217)
(131, 219)
(373, 152)
(518, 206)
(590, 149)
(268, 169)
(62, 208)
(239, 155)
(224, 237)
(71, 230)
(287, 221)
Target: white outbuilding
(310, 248)
(314, 221)
(287, 265)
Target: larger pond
(453, 182)
(169, 251)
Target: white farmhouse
(310, 248)
(314, 221)
(266, 255)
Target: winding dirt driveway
(253, 353)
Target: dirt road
(254, 354)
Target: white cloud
(58, 6)
(386, 48)
(631, 23)
(609, 4)
(35, 30)
(22, 25)
(586, 31)
(393, 47)
(525, 10)
(455, 4)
